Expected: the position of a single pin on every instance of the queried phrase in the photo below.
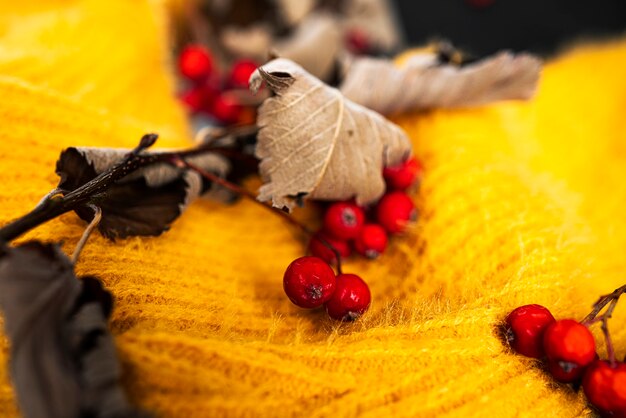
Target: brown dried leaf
(424, 83)
(315, 143)
(63, 361)
(315, 45)
(145, 202)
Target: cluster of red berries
(212, 94)
(346, 225)
(310, 282)
(569, 350)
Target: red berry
(402, 176)
(319, 249)
(605, 387)
(226, 109)
(525, 327)
(193, 98)
(195, 62)
(569, 341)
(357, 41)
(344, 220)
(371, 241)
(240, 73)
(309, 282)
(351, 298)
(394, 212)
(199, 98)
(564, 371)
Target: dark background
(482, 27)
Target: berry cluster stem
(83, 239)
(181, 162)
(594, 316)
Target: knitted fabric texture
(521, 203)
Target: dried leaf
(252, 42)
(315, 143)
(315, 45)
(425, 83)
(293, 11)
(145, 202)
(376, 19)
(63, 361)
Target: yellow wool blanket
(521, 203)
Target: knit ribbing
(521, 203)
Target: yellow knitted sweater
(521, 203)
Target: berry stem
(181, 162)
(83, 239)
(594, 316)
(208, 135)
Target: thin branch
(180, 162)
(51, 195)
(594, 317)
(83, 239)
(56, 203)
(603, 301)
(209, 134)
(53, 206)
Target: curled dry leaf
(315, 45)
(63, 361)
(424, 83)
(315, 143)
(145, 202)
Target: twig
(209, 134)
(56, 203)
(54, 206)
(51, 194)
(180, 162)
(97, 216)
(594, 316)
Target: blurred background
(219, 43)
(485, 26)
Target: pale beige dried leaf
(314, 143)
(376, 19)
(315, 45)
(250, 42)
(422, 84)
(294, 11)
